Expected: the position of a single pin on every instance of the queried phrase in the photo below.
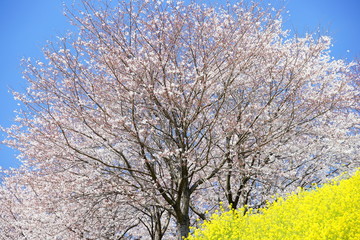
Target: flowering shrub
(331, 211)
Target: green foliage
(331, 211)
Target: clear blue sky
(25, 25)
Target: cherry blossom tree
(355, 74)
(37, 205)
(154, 112)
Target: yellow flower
(322, 213)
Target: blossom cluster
(327, 212)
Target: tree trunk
(184, 227)
(183, 218)
(158, 235)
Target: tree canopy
(154, 112)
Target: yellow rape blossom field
(329, 212)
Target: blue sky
(26, 25)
